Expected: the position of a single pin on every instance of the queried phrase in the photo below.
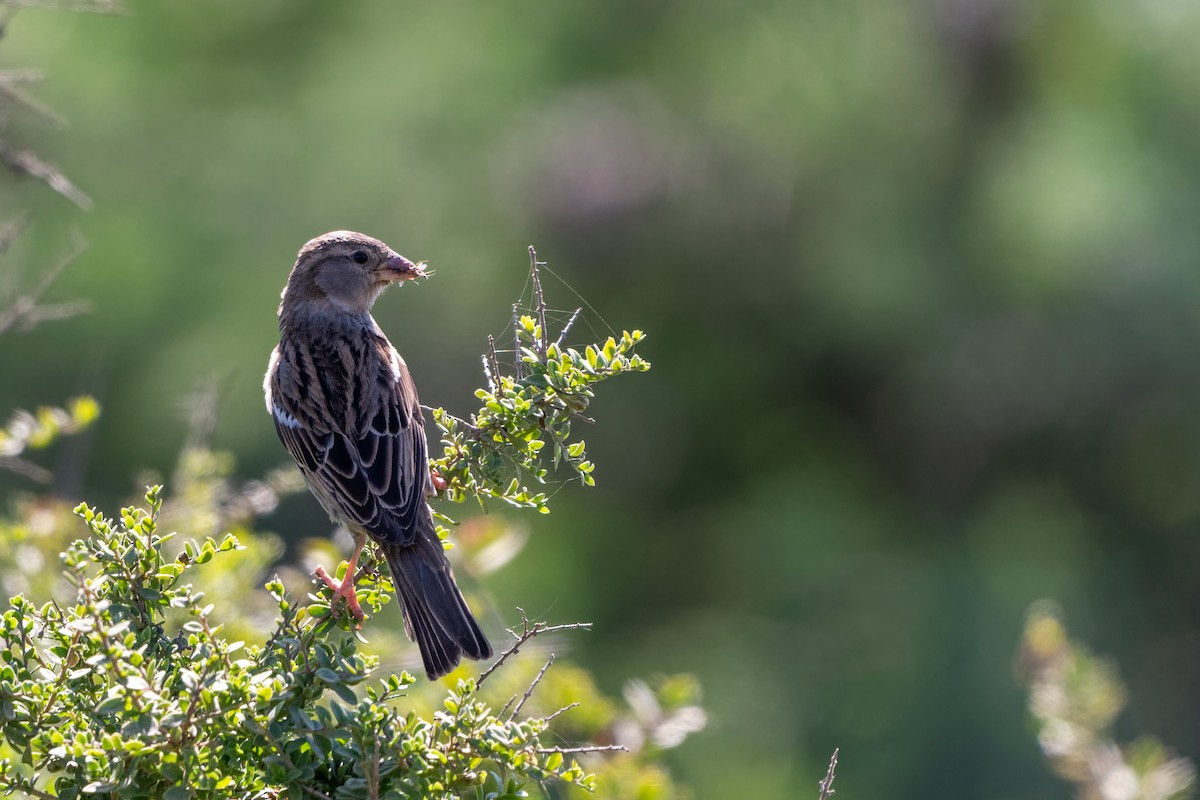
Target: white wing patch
(396, 362)
(282, 417)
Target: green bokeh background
(920, 280)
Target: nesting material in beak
(399, 268)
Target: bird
(346, 409)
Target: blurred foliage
(22, 311)
(40, 428)
(1074, 698)
(14, 100)
(921, 278)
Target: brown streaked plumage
(346, 409)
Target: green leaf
(345, 692)
(101, 786)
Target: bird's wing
(372, 476)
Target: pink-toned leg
(345, 589)
(439, 483)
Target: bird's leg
(439, 483)
(345, 589)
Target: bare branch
(27, 162)
(516, 322)
(594, 748)
(532, 686)
(94, 6)
(10, 231)
(10, 81)
(539, 301)
(563, 336)
(22, 467)
(491, 365)
(827, 784)
(528, 632)
(11, 76)
(562, 710)
(25, 312)
(31, 317)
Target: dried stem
(491, 364)
(25, 311)
(539, 300)
(516, 322)
(827, 784)
(22, 467)
(10, 80)
(27, 162)
(532, 686)
(594, 748)
(528, 631)
(11, 231)
(94, 6)
(562, 710)
(566, 328)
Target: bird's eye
(359, 257)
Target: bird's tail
(436, 615)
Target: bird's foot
(344, 591)
(440, 484)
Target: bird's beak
(399, 268)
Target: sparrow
(345, 408)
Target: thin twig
(562, 710)
(532, 686)
(593, 748)
(27, 162)
(492, 363)
(94, 6)
(10, 79)
(539, 300)
(516, 321)
(25, 312)
(10, 76)
(11, 231)
(827, 784)
(185, 728)
(562, 336)
(28, 469)
(528, 632)
(29, 789)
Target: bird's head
(345, 272)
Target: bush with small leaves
(501, 447)
(132, 691)
(130, 684)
